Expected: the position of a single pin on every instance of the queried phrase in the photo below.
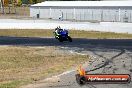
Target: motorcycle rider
(62, 34)
(56, 32)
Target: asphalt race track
(109, 56)
(77, 42)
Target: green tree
(38, 1)
(19, 2)
(34, 1)
(30, 1)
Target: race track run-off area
(108, 56)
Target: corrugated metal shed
(115, 11)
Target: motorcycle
(62, 35)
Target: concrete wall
(110, 14)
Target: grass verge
(73, 33)
(23, 64)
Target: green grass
(99, 35)
(10, 84)
(73, 33)
(27, 33)
(14, 84)
(20, 65)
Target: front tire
(69, 39)
(60, 39)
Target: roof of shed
(84, 3)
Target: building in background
(114, 11)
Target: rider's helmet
(56, 28)
(60, 30)
(59, 27)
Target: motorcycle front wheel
(69, 39)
